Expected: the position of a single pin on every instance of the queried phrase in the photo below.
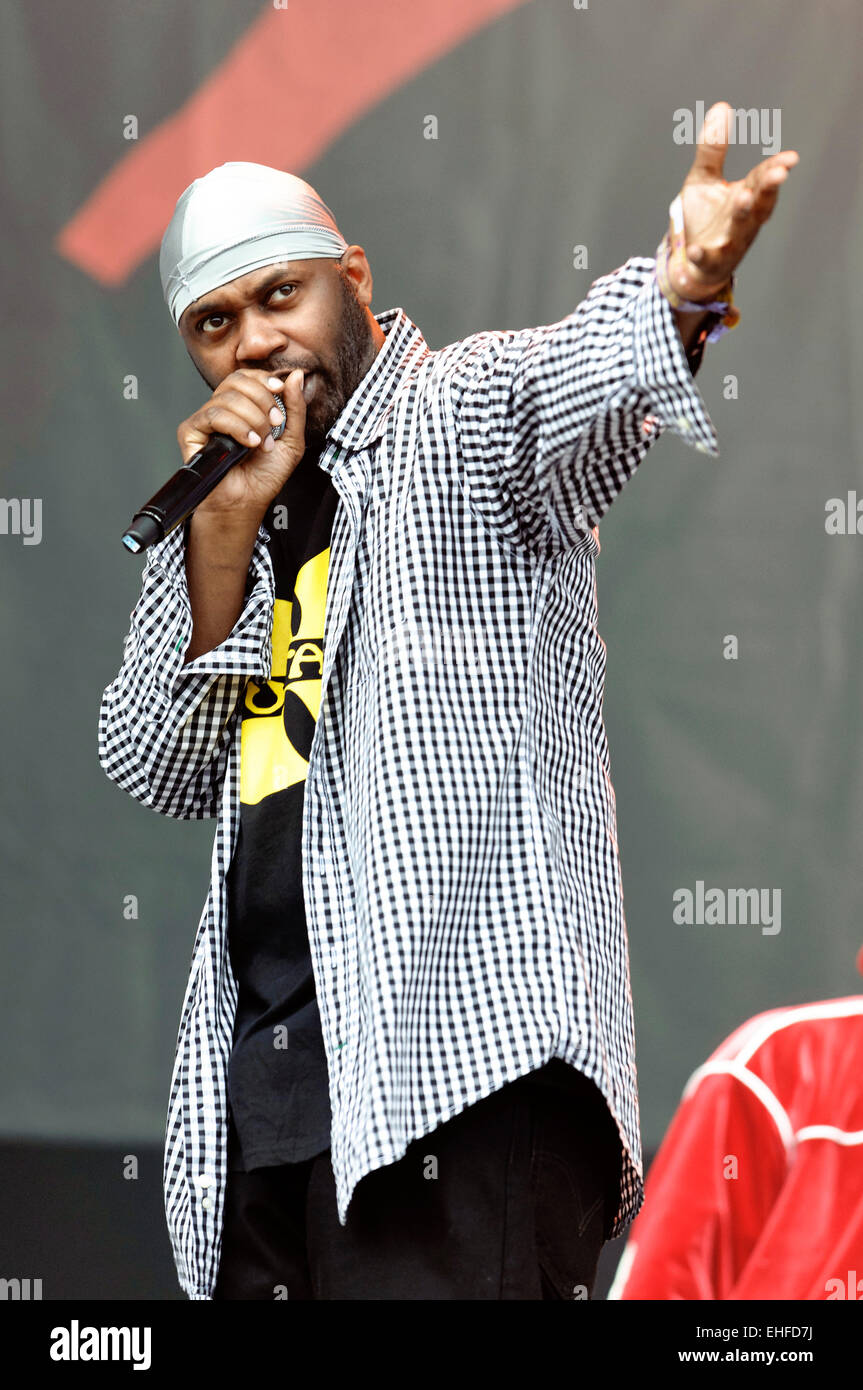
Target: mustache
(285, 368)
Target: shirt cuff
(664, 373)
(247, 648)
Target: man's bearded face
(297, 314)
(336, 380)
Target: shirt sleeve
(553, 421)
(165, 728)
(707, 1197)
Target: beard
(335, 386)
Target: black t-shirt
(277, 1077)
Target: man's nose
(259, 338)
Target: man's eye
(202, 326)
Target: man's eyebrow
(214, 306)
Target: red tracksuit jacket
(757, 1189)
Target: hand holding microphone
(238, 451)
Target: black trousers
(511, 1199)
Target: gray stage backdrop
(555, 128)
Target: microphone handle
(183, 492)
(188, 487)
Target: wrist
(227, 521)
(721, 308)
(220, 541)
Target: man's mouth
(310, 378)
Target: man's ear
(367, 273)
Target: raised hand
(720, 219)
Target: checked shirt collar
(363, 419)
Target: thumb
(292, 436)
(712, 145)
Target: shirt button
(204, 1180)
(206, 1204)
(683, 424)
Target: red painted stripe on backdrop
(341, 59)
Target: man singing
(405, 1066)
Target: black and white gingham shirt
(460, 856)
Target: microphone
(189, 486)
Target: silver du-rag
(238, 218)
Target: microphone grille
(278, 430)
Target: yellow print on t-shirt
(279, 716)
